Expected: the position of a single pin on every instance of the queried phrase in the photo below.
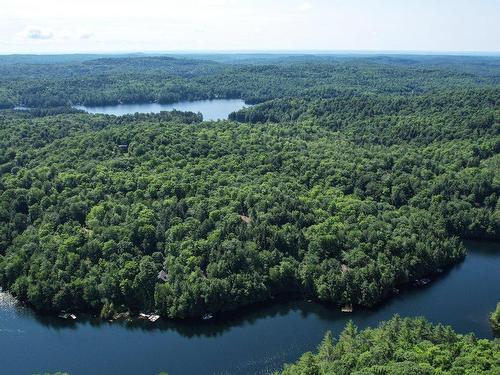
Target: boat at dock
(347, 308)
(64, 315)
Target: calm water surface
(210, 109)
(254, 343)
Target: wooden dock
(347, 308)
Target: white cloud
(172, 25)
(305, 6)
(34, 32)
(41, 33)
(85, 34)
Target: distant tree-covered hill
(79, 79)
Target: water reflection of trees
(249, 315)
(223, 323)
(195, 328)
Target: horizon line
(264, 52)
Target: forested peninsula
(349, 177)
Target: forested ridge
(400, 346)
(333, 187)
(60, 81)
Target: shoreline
(238, 313)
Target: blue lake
(254, 342)
(211, 110)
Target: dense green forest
(400, 346)
(71, 80)
(495, 320)
(350, 177)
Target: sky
(68, 26)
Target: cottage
(245, 219)
(162, 275)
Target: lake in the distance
(218, 109)
(256, 342)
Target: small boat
(72, 316)
(143, 316)
(154, 317)
(63, 315)
(207, 316)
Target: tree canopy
(340, 195)
(400, 346)
(495, 320)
